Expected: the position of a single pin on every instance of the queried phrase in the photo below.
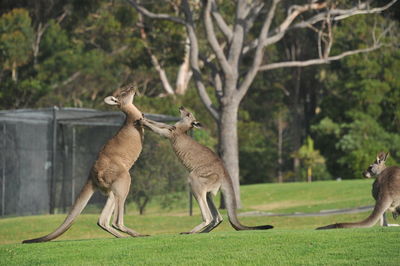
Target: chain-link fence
(46, 155)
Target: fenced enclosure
(46, 155)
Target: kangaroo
(385, 190)
(110, 172)
(375, 190)
(207, 173)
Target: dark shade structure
(46, 155)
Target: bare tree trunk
(228, 139)
(298, 114)
(36, 45)
(185, 72)
(280, 147)
(14, 72)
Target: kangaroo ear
(386, 156)
(381, 157)
(183, 111)
(111, 100)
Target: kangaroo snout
(366, 174)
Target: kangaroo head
(188, 121)
(377, 166)
(122, 97)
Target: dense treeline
(321, 121)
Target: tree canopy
(73, 53)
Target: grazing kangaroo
(110, 172)
(375, 190)
(207, 173)
(385, 190)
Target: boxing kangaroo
(207, 173)
(110, 172)
(385, 190)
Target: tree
(309, 157)
(360, 115)
(15, 40)
(256, 26)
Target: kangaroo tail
(371, 220)
(230, 203)
(80, 203)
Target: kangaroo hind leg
(205, 213)
(216, 216)
(120, 189)
(105, 216)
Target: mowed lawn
(293, 241)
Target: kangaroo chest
(194, 156)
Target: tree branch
(194, 51)
(212, 40)
(294, 12)
(259, 54)
(216, 80)
(68, 80)
(336, 14)
(39, 33)
(150, 14)
(154, 60)
(224, 28)
(360, 11)
(253, 14)
(194, 61)
(318, 61)
(340, 14)
(245, 16)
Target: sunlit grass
(292, 241)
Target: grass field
(293, 241)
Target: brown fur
(207, 173)
(110, 172)
(385, 190)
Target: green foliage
(357, 142)
(358, 117)
(16, 37)
(311, 159)
(157, 173)
(257, 159)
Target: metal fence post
(73, 165)
(53, 161)
(3, 183)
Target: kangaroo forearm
(157, 124)
(163, 131)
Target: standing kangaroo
(385, 190)
(206, 173)
(110, 172)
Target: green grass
(274, 247)
(290, 197)
(293, 241)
